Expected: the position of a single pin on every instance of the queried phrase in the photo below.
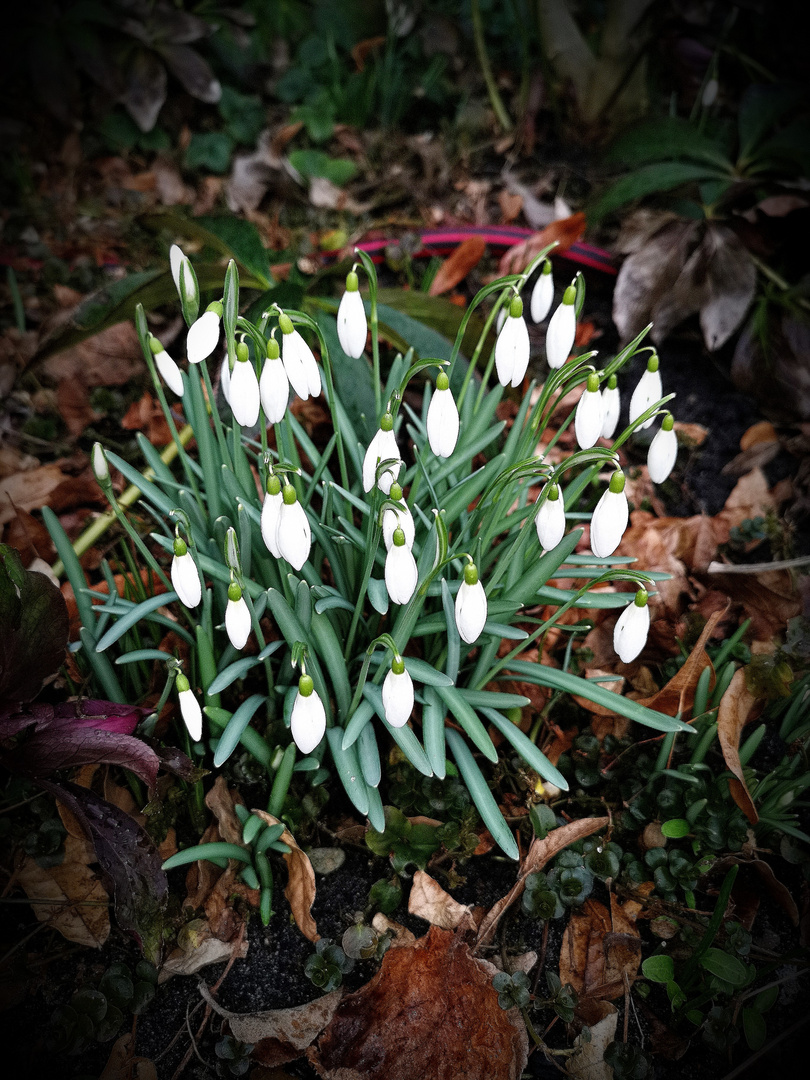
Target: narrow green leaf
(348, 769)
(134, 615)
(533, 757)
(481, 795)
(237, 724)
(469, 720)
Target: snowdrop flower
(550, 520)
(237, 617)
(244, 389)
(274, 386)
(294, 536)
(647, 392)
(631, 629)
(352, 326)
(169, 371)
(663, 451)
(512, 346)
(189, 708)
(271, 513)
(203, 334)
(299, 360)
(442, 419)
(562, 329)
(382, 447)
(397, 694)
(101, 468)
(400, 570)
(471, 606)
(542, 293)
(393, 518)
(590, 414)
(225, 379)
(185, 280)
(308, 718)
(184, 575)
(611, 404)
(609, 519)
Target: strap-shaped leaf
(433, 714)
(481, 795)
(469, 720)
(134, 615)
(236, 727)
(348, 769)
(526, 748)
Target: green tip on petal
(471, 574)
(352, 283)
(612, 383)
(288, 495)
(242, 352)
(234, 592)
(641, 598)
(668, 423)
(516, 307)
(387, 422)
(273, 350)
(652, 363)
(285, 323)
(593, 383)
(216, 307)
(180, 548)
(305, 686)
(273, 484)
(398, 665)
(570, 295)
(546, 267)
(399, 537)
(154, 345)
(442, 382)
(553, 493)
(182, 683)
(617, 482)
(395, 494)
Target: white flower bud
(442, 419)
(185, 576)
(397, 695)
(271, 515)
(542, 293)
(562, 330)
(611, 404)
(663, 451)
(632, 628)
(274, 387)
(244, 391)
(203, 336)
(647, 392)
(471, 606)
(189, 708)
(383, 447)
(610, 518)
(512, 347)
(237, 618)
(352, 326)
(550, 520)
(308, 718)
(401, 574)
(590, 414)
(294, 535)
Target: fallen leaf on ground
(566, 232)
(455, 267)
(599, 949)
(80, 908)
(300, 891)
(429, 901)
(200, 949)
(400, 935)
(539, 853)
(678, 695)
(732, 716)
(282, 1035)
(588, 1063)
(124, 1064)
(430, 1011)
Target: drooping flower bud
(647, 392)
(512, 346)
(610, 518)
(393, 518)
(271, 515)
(203, 335)
(590, 414)
(471, 606)
(274, 386)
(611, 403)
(308, 717)
(294, 536)
(442, 419)
(383, 447)
(185, 576)
(352, 326)
(542, 293)
(562, 329)
(244, 389)
(189, 708)
(632, 628)
(663, 451)
(550, 520)
(397, 694)
(169, 371)
(237, 617)
(401, 574)
(299, 360)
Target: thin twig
(758, 567)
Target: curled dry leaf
(124, 1064)
(565, 232)
(732, 716)
(282, 1035)
(399, 934)
(540, 852)
(79, 910)
(300, 891)
(430, 1011)
(588, 1063)
(678, 695)
(600, 952)
(220, 801)
(455, 267)
(429, 901)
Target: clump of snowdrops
(333, 598)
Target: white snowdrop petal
(203, 336)
(611, 404)
(562, 329)
(237, 622)
(608, 523)
(352, 326)
(169, 372)
(176, 258)
(381, 448)
(400, 574)
(589, 419)
(646, 393)
(294, 364)
(550, 523)
(192, 713)
(397, 695)
(225, 379)
(630, 632)
(294, 537)
(244, 393)
(186, 580)
(542, 297)
(271, 513)
(442, 423)
(274, 390)
(310, 364)
(307, 722)
(662, 455)
(512, 351)
(471, 611)
(392, 518)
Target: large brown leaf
(79, 904)
(300, 891)
(601, 951)
(732, 716)
(678, 696)
(429, 1012)
(456, 267)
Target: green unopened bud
(399, 537)
(641, 598)
(180, 547)
(285, 323)
(553, 493)
(100, 466)
(288, 495)
(234, 591)
(242, 352)
(387, 422)
(181, 683)
(352, 284)
(668, 423)
(546, 267)
(155, 346)
(273, 484)
(516, 307)
(273, 350)
(395, 494)
(593, 383)
(442, 382)
(612, 382)
(617, 482)
(652, 363)
(570, 295)
(398, 665)
(471, 574)
(305, 685)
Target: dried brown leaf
(220, 801)
(124, 1064)
(600, 950)
(282, 1035)
(429, 901)
(80, 903)
(539, 853)
(678, 695)
(300, 891)
(731, 281)
(565, 231)
(455, 267)
(732, 716)
(588, 1063)
(430, 1011)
